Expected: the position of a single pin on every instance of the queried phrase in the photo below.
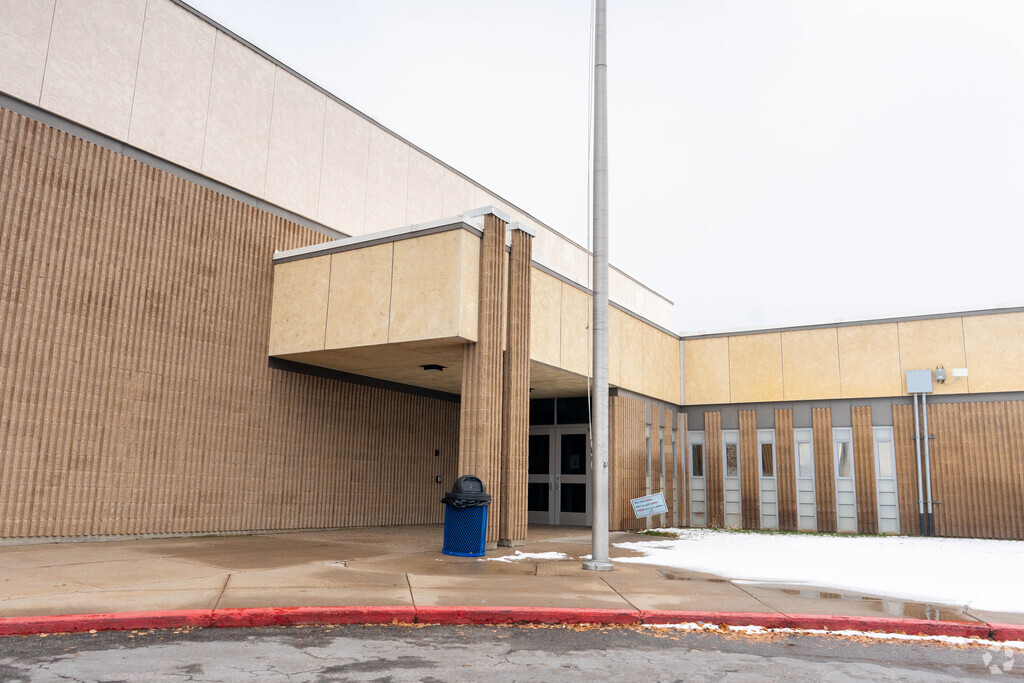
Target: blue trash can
(465, 518)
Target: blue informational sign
(649, 505)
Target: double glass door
(559, 479)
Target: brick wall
(135, 394)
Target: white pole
(927, 467)
(920, 482)
(599, 554)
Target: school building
(230, 302)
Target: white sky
(771, 163)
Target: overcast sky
(772, 163)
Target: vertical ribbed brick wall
(480, 414)
(715, 493)
(906, 468)
(515, 404)
(135, 396)
(750, 469)
(627, 461)
(670, 472)
(785, 469)
(864, 470)
(977, 465)
(683, 492)
(657, 486)
(824, 469)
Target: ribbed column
(714, 487)
(785, 469)
(824, 469)
(750, 470)
(480, 414)
(864, 466)
(515, 401)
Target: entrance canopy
(402, 305)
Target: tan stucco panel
(661, 364)
(299, 310)
(469, 287)
(357, 313)
(810, 364)
(755, 368)
(631, 363)
(426, 287)
(545, 318)
(995, 353)
(869, 361)
(615, 317)
(706, 363)
(927, 344)
(575, 330)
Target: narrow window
(698, 459)
(661, 450)
(647, 438)
(767, 460)
(845, 461)
(732, 461)
(804, 456)
(885, 460)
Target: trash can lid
(467, 483)
(467, 489)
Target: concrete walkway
(389, 566)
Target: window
(732, 460)
(647, 441)
(767, 460)
(563, 411)
(572, 411)
(805, 460)
(845, 462)
(883, 446)
(661, 451)
(542, 411)
(697, 456)
(842, 442)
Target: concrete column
(515, 401)
(480, 412)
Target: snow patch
(529, 556)
(973, 573)
(760, 630)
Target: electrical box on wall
(919, 381)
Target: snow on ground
(1007, 646)
(529, 556)
(981, 574)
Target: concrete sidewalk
(389, 566)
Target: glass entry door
(559, 477)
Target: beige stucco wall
(641, 357)
(119, 66)
(857, 361)
(417, 289)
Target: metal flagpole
(599, 554)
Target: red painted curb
(913, 627)
(524, 615)
(283, 616)
(286, 616)
(1007, 632)
(123, 621)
